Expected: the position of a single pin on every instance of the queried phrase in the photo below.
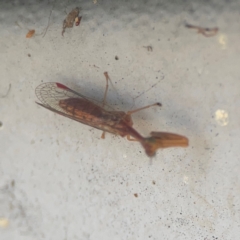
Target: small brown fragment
(135, 195)
(70, 19)
(153, 182)
(116, 58)
(29, 55)
(30, 33)
(207, 32)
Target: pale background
(60, 181)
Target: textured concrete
(60, 181)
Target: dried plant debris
(207, 32)
(48, 20)
(30, 33)
(71, 18)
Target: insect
(60, 99)
(207, 32)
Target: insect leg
(105, 97)
(105, 93)
(139, 109)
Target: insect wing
(49, 94)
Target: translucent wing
(51, 94)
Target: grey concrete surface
(59, 180)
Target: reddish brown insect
(64, 101)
